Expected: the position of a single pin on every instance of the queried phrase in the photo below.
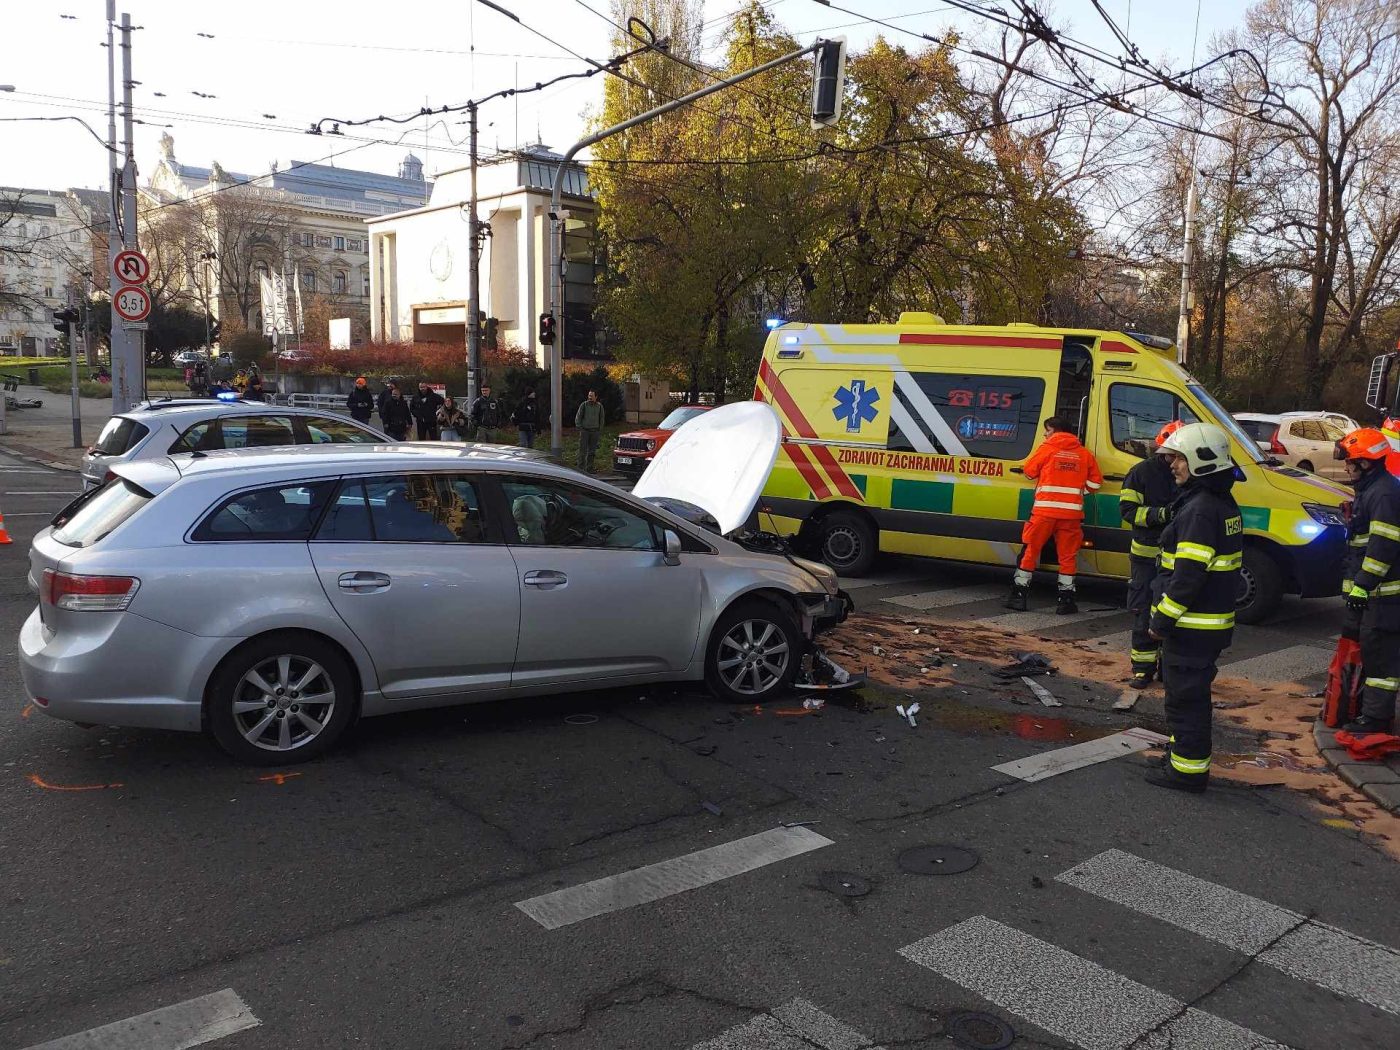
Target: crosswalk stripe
(191, 1023)
(796, 1025)
(1068, 996)
(1034, 621)
(1301, 947)
(853, 584)
(667, 877)
(947, 597)
(1281, 665)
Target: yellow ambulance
(909, 438)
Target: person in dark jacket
(1372, 584)
(424, 406)
(1196, 587)
(1145, 504)
(396, 415)
(254, 390)
(485, 415)
(384, 396)
(451, 421)
(360, 402)
(526, 417)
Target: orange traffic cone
(4, 535)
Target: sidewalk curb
(1378, 781)
(30, 454)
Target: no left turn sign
(131, 267)
(133, 304)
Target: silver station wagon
(271, 597)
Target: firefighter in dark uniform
(1372, 584)
(1145, 503)
(1196, 586)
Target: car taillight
(64, 590)
(1275, 445)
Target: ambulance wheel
(1261, 587)
(848, 543)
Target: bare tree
(244, 228)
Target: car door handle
(363, 582)
(546, 579)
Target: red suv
(634, 450)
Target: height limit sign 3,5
(133, 303)
(131, 267)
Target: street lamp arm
(79, 120)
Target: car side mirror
(673, 548)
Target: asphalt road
(369, 899)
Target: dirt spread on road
(908, 654)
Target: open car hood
(718, 462)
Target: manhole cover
(581, 720)
(937, 860)
(980, 1031)
(844, 884)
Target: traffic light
(488, 337)
(63, 318)
(547, 329)
(828, 82)
(213, 330)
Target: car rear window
(119, 436)
(99, 513)
(1258, 429)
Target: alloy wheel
(753, 657)
(283, 703)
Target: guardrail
(320, 402)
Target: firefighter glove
(1357, 599)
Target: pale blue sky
(276, 65)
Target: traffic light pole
(558, 263)
(128, 344)
(473, 311)
(73, 359)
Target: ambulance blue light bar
(773, 322)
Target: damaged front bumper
(819, 672)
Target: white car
(1300, 439)
(289, 359)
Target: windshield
(680, 416)
(1259, 429)
(1228, 423)
(92, 520)
(119, 436)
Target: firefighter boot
(1366, 724)
(1016, 601)
(1065, 603)
(1167, 777)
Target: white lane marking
(667, 877)
(191, 1023)
(1070, 997)
(23, 470)
(796, 1025)
(1282, 665)
(946, 597)
(28, 514)
(1077, 756)
(1290, 942)
(1034, 621)
(881, 581)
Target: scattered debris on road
(1042, 694)
(908, 713)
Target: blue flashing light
(774, 322)
(228, 395)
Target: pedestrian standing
(485, 415)
(589, 419)
(384, 396)
(254, 391)
(424, 406)
(451, 421)
(1145, 503)
(526, 418)
(396, 415)
(360, 402)
(1197, 583)
(1372, 585)
(1063, 470)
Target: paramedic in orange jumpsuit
(1063, 470)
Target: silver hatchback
(156, 429)
(273, 597)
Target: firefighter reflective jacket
(1199, 567)
(1148, 492)
(1373, 544)
(1063, 471)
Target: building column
(526, 280)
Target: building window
(48, 292)
(308, 281)
(323, 242)
(338, 282)
(43, 231)
(308, 240)
(22, 229)
(76, 237)
(340, 244)
(365, 293)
